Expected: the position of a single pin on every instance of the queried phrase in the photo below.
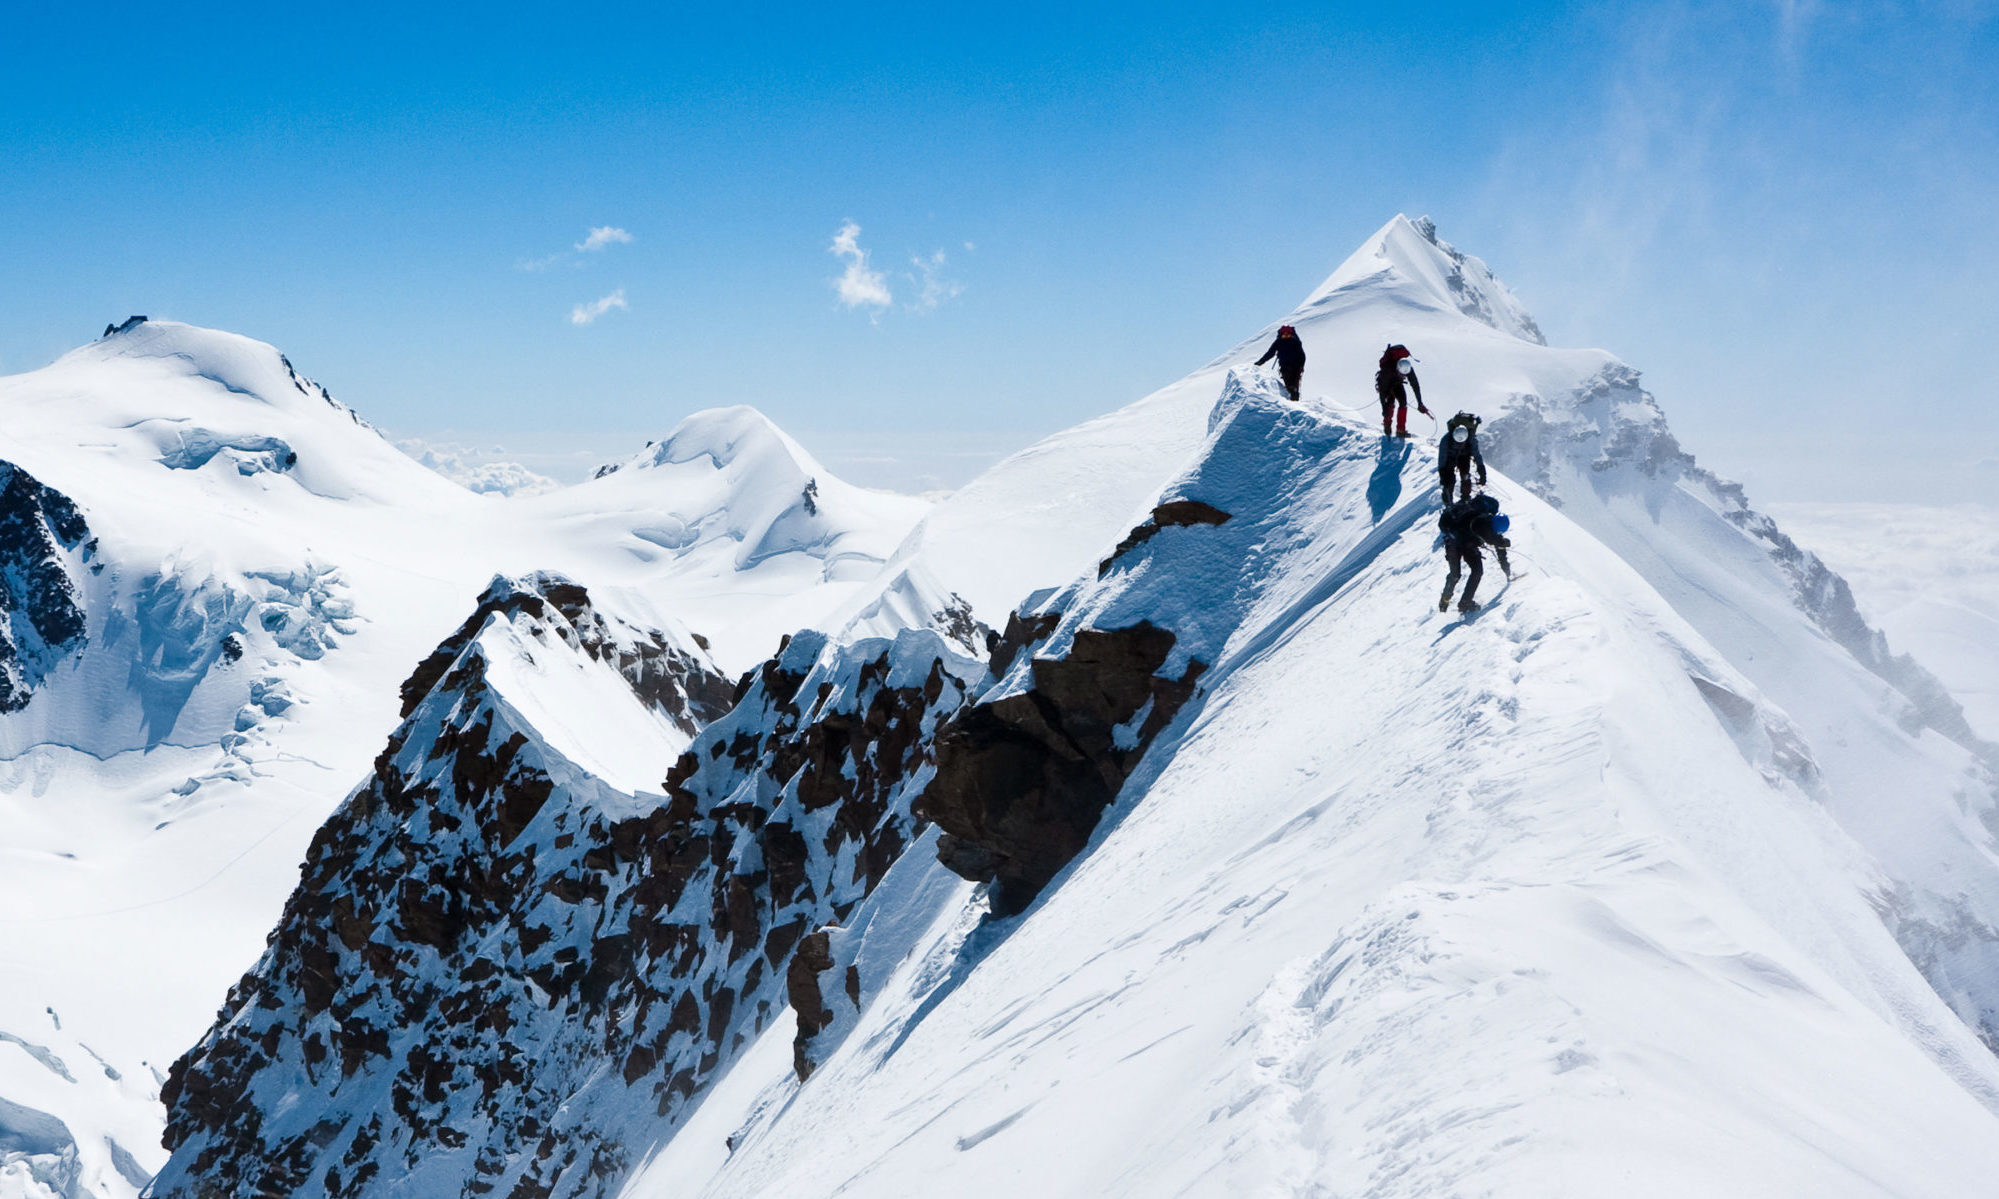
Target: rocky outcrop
(1022, 779)
(499, 975)
(41, 609)
(1172, 514)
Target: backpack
(1386, 378)
(1467, 420)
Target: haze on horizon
(920, 240)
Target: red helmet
(1283, 329)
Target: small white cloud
(969, 247)
(601, 236)
(858, 286)
(542, 264)
(932, 288)
(584, 314)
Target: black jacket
(1469, 522)
(1289, 352)
(1450, 453)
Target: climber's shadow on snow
(1461, 619)
(1384, 486)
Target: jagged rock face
(501, 976)
(44, 619)
(1022, 780)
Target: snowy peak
(241, 366)
(727, 483)
(1431, 271)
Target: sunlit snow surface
(1412, 905)
(1639, 882)
(157, 795)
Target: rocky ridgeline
(43, 613)
(500, 976)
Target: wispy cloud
(859, 286)
(601, 236)
(594, 241)
(584, 314)
(932, 288)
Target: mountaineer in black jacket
(1457, 453)
(1464, 526)
(1290, 355)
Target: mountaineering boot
(1467, 606)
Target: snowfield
(1251, 871)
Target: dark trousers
(1462, 469)
(1463, 553)
(1291, 379)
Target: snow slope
(256, 572)
(1576, 890)
(1899, 766)
(1536, 902)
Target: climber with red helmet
(1290, 355)
(1394, 379)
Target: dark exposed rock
(473, 941)
(814, 957)
(1023, 778)
(41, 613)
(1172, 514)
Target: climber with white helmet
(1394, 379)
(1457, 453)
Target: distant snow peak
(1426, 269)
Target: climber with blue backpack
(1464, 527)
(1457, 453)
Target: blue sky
(1782, 213)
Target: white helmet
(1405, 366)
(1460, 434)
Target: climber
(1464, 525)
(1290, 355)
(1458, 453)
(1394, 379)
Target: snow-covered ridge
(492, 900)
(1399, 903)
(1287, 823)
